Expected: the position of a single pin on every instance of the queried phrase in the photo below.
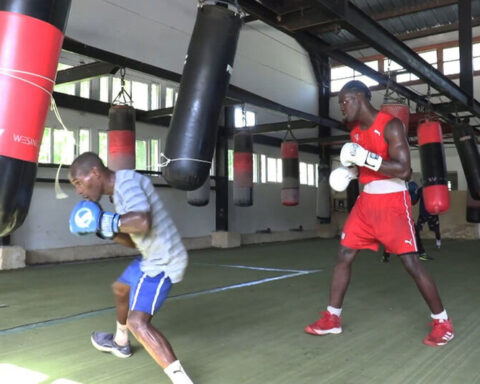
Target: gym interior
(262, 243)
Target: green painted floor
(227, 333)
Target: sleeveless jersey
(372, 140)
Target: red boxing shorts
(384, 218)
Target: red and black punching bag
(121, 137)
(434, 169)
(243, 169)
(31, 37)
(208, 66)
(398, 110)
(290, 173)
(467, 147)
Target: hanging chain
(123, 97)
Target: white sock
(440, 316)
(121, 335)
(334, 311)
(176, 373)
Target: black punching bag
(193, 130)
(466, 144)
(31, 37)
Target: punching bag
(398, 110)
(193, 129)
(353, 190)
(290, 181)
(434, 169)
(467, 148)
(201, 196)
(31, 37)
(473, 209)
(323, 194)
(243, 169)
(121, 137)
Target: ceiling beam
(330, 140)
(236, 94)
(85, 71)
(281, 126)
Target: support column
(222, 238)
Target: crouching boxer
(141, 222)
(382, 212)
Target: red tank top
(372, 139)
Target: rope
(59, 194)
(167, 161)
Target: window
(255, 167)
(230, 165)
(279, 171)
(63, 146)
(83, 141)
(271, 170)
(141, 154)
(104, 89)
(310, 174)
(451, 61)
(343, 74)
(303, 173)
(45, 155)
(155, 96)
(476, 57)
(169, 95)
(263, 168)
(103, 146)
(85, 89)
(240, 119)
(140, 95)
(452, 181)
(154, 163)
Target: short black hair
(85, 163)
(357, 87)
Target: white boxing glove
(341, 177)
(352, 153)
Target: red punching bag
(243, 169)
(398, 110)
(31, 37)
(434, 170)
(121, 137)
(290, 182)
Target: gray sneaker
(104, 342)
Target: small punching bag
(290, 182)
(193, 129)
(31, 37)
(323, 194)
(434, 170)
(201, 196)
(243, 169)
(467, 148)
(121, 137)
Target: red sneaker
(328, 323)
(441, 333)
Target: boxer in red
(380, 155)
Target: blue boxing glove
(87, 217)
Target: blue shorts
(147, 294)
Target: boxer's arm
(399, 163)
(135, 222)
(124, 239)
